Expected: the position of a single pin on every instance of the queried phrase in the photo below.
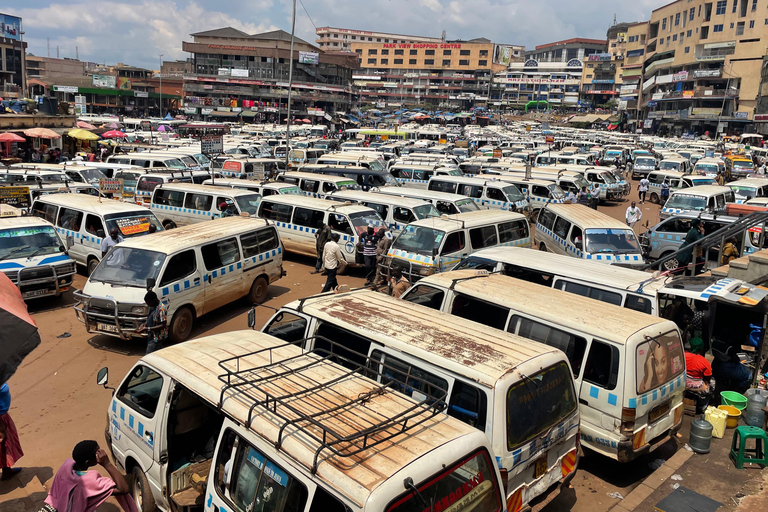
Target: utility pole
(161, 85)
(290, 85)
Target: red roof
(572, 41)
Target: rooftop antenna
(443, 37)
(57, 51)
(77, 53)
(614, 18)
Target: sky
(138, 32)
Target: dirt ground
(56, 402)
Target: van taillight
(628, 420)
(504, 476)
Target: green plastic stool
(739, 451)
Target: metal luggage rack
(252, 382)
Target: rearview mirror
(252, 318)
(70, 241)
(102, 377)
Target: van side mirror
(100, 233)
(252, 318)
(102, 377)
(70, 241)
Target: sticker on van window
(658, 361)
(133, 225)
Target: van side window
(328, 187)
(602, 366)
(561, 227)
(306, 217)
(257, 242)
(219, 254)
(201, 202)
(480, 311)
(573, 346)
(275, 212)
(401, 214)
(141, 391)
(474, 191)
(468, 404)
(454, 242)
(339, 223)
(442, 186)
(590, 291)
(406, 378)
(169, 197)
(381, 209)
(310, 185)
(94, 226)
(547, 219)
(322, 501)
(288, 327)
(70, 219)
(495, 194)
(638, 303)
(538, 190)
(484, 236)
(426, 295)
(347, 347)
(511, 231)
(179, 266)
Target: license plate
(107, 327)
(657, 412)
(541, 467)
(35, 293)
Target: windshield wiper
(18, 249)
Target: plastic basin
(733, 415)
(734, 399)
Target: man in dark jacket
(694, 234)
(322, 235)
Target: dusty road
(56, 401)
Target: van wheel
(92, 264)
(169, 224)
(142, 494)
(655, 198)
(542, 247)
(259, 288)
(671, 264)
(181, 325)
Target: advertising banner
(240, 73)
(124, 84)
(111, 186)
(11, 27)
(502, 54)
(211, 144)
(15, 196)
(600, 57)
(107, 81)
(309, 58)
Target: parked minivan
(438, 244)
(445, 203)
(146, 183)
(193, 269)
(366, 177)
(317, 185)
(147, 160)
(396, 212)
(494, 379)
(581, 232)
(84, 221)
(264, 188)
(490, 193)
(709, 167)
(294, 454)
(749, 188)
(413, 175)
(181, 204)
(629, 367)
(704, 198)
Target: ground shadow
(23, 480)
(45, 304)
(564, 501)
(625, 474)
(131, 347)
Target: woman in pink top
(75, 488)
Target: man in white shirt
(109, 242)
(594, 192)
(633, 215)
(332, 258)
(642, 189)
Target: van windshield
(248, 203)
(615, 241)
(645, 162)
(513, 193)
(667, 165)
(467, 485)
(348, 185)
(608, 178)
(743, 164)
(745, 192)
(466, 205)
(25, 242)
(291, 190)
(361, 221)
(92, 176)
(706, 169)
(125, 266)
(556, 191)
(543, 399)
(425, 211)
(686, 202)
(419, 240)
(132, 223)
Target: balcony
(605, 68)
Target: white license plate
(107, 327)
(35, 293)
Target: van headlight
(139, 310)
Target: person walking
(382, 248)
(322, 235)
(10, 448)
(370, 241)
(664, 193)
(109, 242)
(633, 215)
(594, 196)
(156, 325)
(720, 179)
(332, 258)
(77, 488)
(642, 189)
(583, 196)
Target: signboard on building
(11, 27)
(206, 111)
(597, 91)
(190, 110)
(761, 118)
(224, 72)
(635, 53)
(124, 84)
(687, 94)
(15, 196)
(648, 123)
(65, 88)
(80, 107)
(602, 81)
(741, 115)
(706, 73)
(211, 144)
(111, 186)
(649, 83)
(680, 77)
(600, 57)
(105, 81)
(726, 44)
(657, 96)
(141, 94)
(309, 58)
(243, 73)
(502, 54)
(705, 112)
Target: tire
(542, 247)
(169, 224)
(92, 264)
(655, 198)
(671, 264)
(141, 492)
(181, 325)
(259, 289)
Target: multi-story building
(702, 66)
(761, 112)
(556, 83)
(602, 74)
(12, 57)
(341, 39)
(46, 66)
(565, 51)
(237, 75)
(179, 68)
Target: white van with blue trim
(538, 192)
(263, 188)
(704, 198)
(489, 193)
(193, 270)
(181, 204)
(33, 256)
(146, 183)
(397, 212)
(581, 232)
(417, 176)
(447, 204)
(317, 185)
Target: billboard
(11, 27)
(124, 84)
(104, 81)
(502, 54)
(309, 58)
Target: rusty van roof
(172, 240)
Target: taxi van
(193, 270)
(297, 218)
(738, 166)
(537, 192)
(33, 256)
(317, 185)
(489, 193)
(704, 198)
(678, 164)
(264, 188)
(709, 167)
(373, 160)
(146, 183)
(181, 204)
(396, 212)
(333, 439)
(643, 165)
(84, 221)
(625, 411)
(366, 177)
(147, 160)
(417, 176)
(611, 189)
(435, 245)
(492, 378)
(581, 232)
(445, 203)
(249, 168)
(748, 188)
(676, 180)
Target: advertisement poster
(309, 58)
(15, 196)
(111, 186)
(502, 54)
(108, 81)
(124, 84)
(11, 26)
(133, 225)
(658, 361)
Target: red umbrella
(11, 137)
(85, 126)
(113, 134)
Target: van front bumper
(548, 496)
(626, 453)
(411, 271)
(42, 280)
(106, 316)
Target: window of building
(717, 28)
(370, 39)
(336, 36)
(689, 33)
(721, 5)
(446, 52)
(354, 37)
(484, 53)
(385, 52)
(704, 32)
(378, 40)
(751, 23)
(411, 61)
(398, 61)
(740, 28)
(413, 52)
(429, 52)
(687, 49)
(731, 25)
(664, 24)
(386, 40)
(674, 37)
(446, 62)
(463, 52)
(399, 52)
(691, 13)
(464, 62)
(384, 61)
(677, 19)
(371, 61)
(754, 5)
(429, 62)
(482, 63)
(371, 51)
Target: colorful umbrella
(85, 126)
(11, 137)
(112, 126)
(18, 331)
(79, 133)
(164, 128)
(42, 133)
(113, 134)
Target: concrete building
(341, 39)
(237, 75)
(556, 83)
(12, 57)
(602, 75)
(566, 50)
(38, 66)
(176, 68)
(761, 112)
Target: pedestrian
(156, 325)
(694, 234)
(322, 235)
(10, 448)
(761, 170)
(594, 196)
(664, 192)
(730, 251)
(370, 241)
(633, 215)
(382, 248)
(109, 242)
(698, 373)
(398, 283)
(571, 199)
(332, 259)
(584, 196)
(720, 179)
(642, 189)
(77, 488)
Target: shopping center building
(341, 39)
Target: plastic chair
(739, 451)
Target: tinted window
(483, 237)
(288, 327)
(591, 292)
(480, 311)
(169, 197)
(495, 194)
(426, 296)
(179, 267)
(219, 254)
(70, 219)
(310, 185)
(94, 226)
(349, 349)
(638, 303)
(381, 209)
(561, 227)
(442, 186)
(306, 217)
(141, 391)
(403, 215)
(468, 404)
(275, 212)
(573, 346)
(148, 184)
(406, 378)
(474, 191)
(453, 243)
(201, 202)
(602, 366)
(547, 219)
(258, 242)
(511, 231)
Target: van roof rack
(260, 382)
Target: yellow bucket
(733, 415)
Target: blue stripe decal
(122, 413)
(130, 420)
(594, 392)
(612, 399)
(633, 403)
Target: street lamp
(161, 85)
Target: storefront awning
(247, 113)
(218, 113)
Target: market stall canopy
(79, 133)
(85, 126)
(18, 332)
(42, 133)
(11, 137)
